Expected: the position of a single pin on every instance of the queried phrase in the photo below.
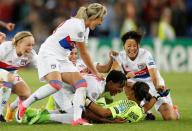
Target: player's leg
(166, 108)
(74, 78)
(6, 85)
(48, 69)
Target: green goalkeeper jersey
(126, 109)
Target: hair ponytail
(141, 90)
(92, 11)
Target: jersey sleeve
(77, 32)
(150, 61)
(92, 89)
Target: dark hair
(137, 36)
(141, 90)
(116, 77)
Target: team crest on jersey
(80, 34)
(141, 65)
(53, 66)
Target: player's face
(25, 46)
(114, 88)
(73, 56)
(131, 47)
(95, 22)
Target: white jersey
(140, 66)
(62, 41)
(81, 66)
(9, 59)
(64, 97)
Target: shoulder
(7, 46)
(144, 52)
(75, 23)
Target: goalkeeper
(117, 112)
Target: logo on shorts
(80, 34)
(53, 66)
(94, 95)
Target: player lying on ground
(116, 112)
(114, 84)
(15, 54)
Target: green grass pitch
(181, 91)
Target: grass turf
(180, 84)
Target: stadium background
(173, 55)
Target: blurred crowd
(166, 19)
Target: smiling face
(131, 47)
(25, 45)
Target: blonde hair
(92, 11)
(19, 36)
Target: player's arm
(153, 72)
(99, 110)
(98, 119)
(105, 68)
(86, 58)
(8, 26)
(148, 105)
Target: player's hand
(130, 75)
(119, 120)
(113, 54)
(161, 87)
(100, 76)
(10, 26)
(2, 37)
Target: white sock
(5, 94)
(79, 102)
(62, 118)
(39, 94)
(14, 104)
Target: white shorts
(49, 63)
(3, 75)
(161, 100)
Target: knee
(80, 83)
(169, 117)
(168, 112)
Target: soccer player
(139, 65)
(15, 54)
(119, 111)
(54, 65)
(114, 84)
